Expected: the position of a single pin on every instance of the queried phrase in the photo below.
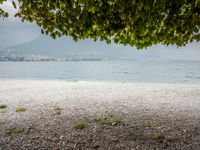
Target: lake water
(184, 72)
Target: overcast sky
(14, 32)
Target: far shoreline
(97, 82)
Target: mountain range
(67, 48)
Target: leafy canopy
(139, 23)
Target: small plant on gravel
(116, 122)
(148, 125)
(80, 125)
(57, 111)
(158, 137)
(20, 109)
(101, 121)
(161, 138)
(3, 106)
(2, 123)
(2, 112)
(13, 130)
(109, 121)
(171, 139)
(33, 126)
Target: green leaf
(14, 5)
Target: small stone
(61, 137)
(96, 146)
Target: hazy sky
(14, 32)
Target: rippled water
(114, 71)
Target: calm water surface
(184, 72)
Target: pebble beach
(51, 114)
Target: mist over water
(184, 72)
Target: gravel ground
(97, 115)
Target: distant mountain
(83, 49)
(13, 33)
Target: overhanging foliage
(139, 23)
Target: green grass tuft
(3, 106)
(2, 112)
(101, 121)
(158, 137)
(2, 123)
(148, 125)
(161, 138)
(33, 126)
(57, 111)
(116, 122)
(20, 109)
(80, 125)
(109, 121)
(13, 130)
